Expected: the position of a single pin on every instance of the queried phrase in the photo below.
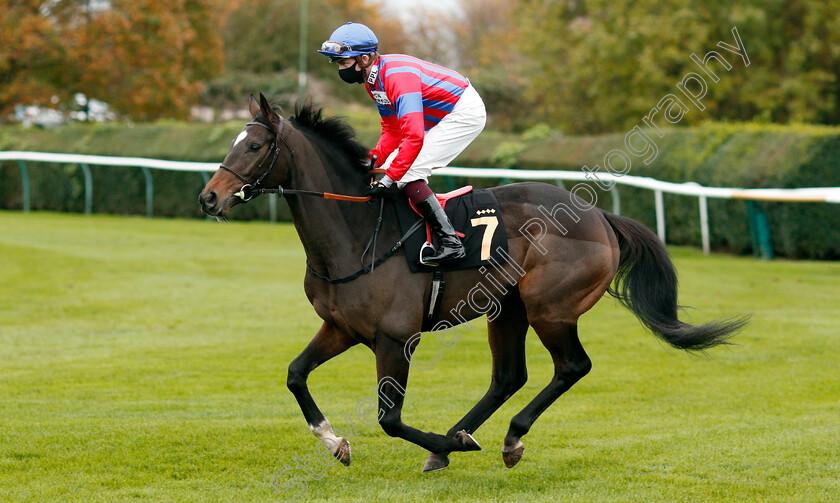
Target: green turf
(146, 360)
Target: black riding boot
(449, 247)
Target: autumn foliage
(146, 58)
(583, 66)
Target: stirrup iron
(427, 245)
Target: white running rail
(813, 195)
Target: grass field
(146, 360)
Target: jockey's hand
(376, 189)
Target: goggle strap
(343, 48)
(371, 47)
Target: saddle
(477, 219)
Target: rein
(326, 195)
(249, 191)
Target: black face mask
(351, 75)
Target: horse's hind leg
(570, 364)
(506, 334)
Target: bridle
(249, 190)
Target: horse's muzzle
(209, 202)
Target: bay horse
(561, 275)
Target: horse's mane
(332, 130)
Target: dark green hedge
(723, 155)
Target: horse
(562, 260)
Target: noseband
(250, 190)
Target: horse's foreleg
(392, 371)
(327, 343)
(506, 334)
(570, 364)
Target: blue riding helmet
(349, 40)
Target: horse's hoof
(467, 441)
(436, 462)
(513, 455)
(343, 452)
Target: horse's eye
(255, 146)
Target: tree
(145, 57)
(148, 58)
(262, 36)
(487, 38)
(602, 65)
(479, 40)
(31, 55)
(262, 45)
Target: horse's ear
(254, 107)
(268, 112)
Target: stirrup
(427, 245)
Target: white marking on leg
(507, 449)
(324, 432)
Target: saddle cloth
(476, 217)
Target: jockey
(429, 116)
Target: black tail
(646, 283)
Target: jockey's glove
(376, 189)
